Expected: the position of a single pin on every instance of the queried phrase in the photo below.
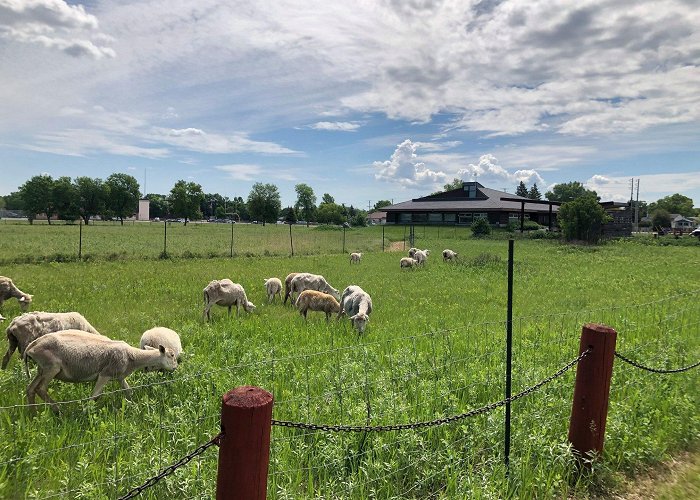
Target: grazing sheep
(408, 262)
(357, 305)
(355, 257)
(448, 254)
(77, 356)
(273, 287)
(421, 256)
(226, 293)
(162, 336)
(412, 252)
(288, 287)
(317, 301)
(8, 290)
(308, 281)
(30, 326)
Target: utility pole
(636, 210)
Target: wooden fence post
(244, 452)
(592, 389)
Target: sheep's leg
(229, 310)
(206, 312)
(40, 385)
(238, 309)
(10, 349)
(99, 385)
(128, 393)
(43, 391)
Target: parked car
(695, 232)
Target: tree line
(117, 197)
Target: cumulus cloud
(405, 169)
(651, 186)
(338, 126)
(488, 167)
(56, 25)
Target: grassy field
(434, 348)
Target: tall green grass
(434, 347)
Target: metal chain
(656, 370)
(431, 423)
(172, 468)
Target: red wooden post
(244, 452)
(592, 389)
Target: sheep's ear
(149, 348)
(22, 299)
(161, 349)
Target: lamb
(408, 262)
(273, 286)
(448, 254)
(30, 326)
(77, 356)
(308, 281)
(288, 287)
(226, 293)
(8, 290)
(317, 301)
(421, 256)
(162, 336)
(357, 305)
(412, 252)
(355, 257)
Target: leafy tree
(290, 217)
(14, 201)
(122, 195)
(238, 206)
(159, 205)
(65, 199)
(2, 203)
(568, 191)
(359, 219)
(185, 200)
(211, 203)
(380, 204)
(264, 202)
(456, 183)
(91, 195)
(306, 201)
(661, 219)
(534, 193)
(521, 190)
(481, 227)
(327, 198)
(37, 195)
(582, 219)
(674, 204)
(330, 213)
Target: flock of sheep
(67, 347)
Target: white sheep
(228, 294)
(317, 301)
(77, 356)
(273, 286)
(308, 281)
(408, 262)
(8, 290)
(421, 256)
(355, 257)
(412, 252)
(288, 287)
(357, 305)
(162, 336)
(30, 326)
(448, 254)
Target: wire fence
(400, 386)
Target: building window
(470, 189)
(404, 218)
(449, 217)
(435, 218)
(481, 215)
(465, 218)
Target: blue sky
(366, 100)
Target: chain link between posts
(655, 370)
(439, 421)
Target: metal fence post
(291, 241)
(165, 238)
(404, 238)
(244, 451)
(343, 239)
(232, 224)
(382, 238)
(80, 244)
(592, 390)
(509, 354)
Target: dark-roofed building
(462, 206)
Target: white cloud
(256, 173)
(404, 168)
(54, 24)
(651, 186)
(489, 168)
(338, 126)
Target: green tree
(582, 219)
(264, 202)
(521, 190)
(481, 227)
(661, 219)
(37, 195)
(185, 199)
(123, 194)
(14, 201)
(456, 183)
(2, 202)
(359, 219)
(330, 213)
(380, 204)
(91, 195)
(674, 204)
(238, 206)
(158, 205)
(306, 201)
(290, 217)
(65, 199)
(534, 193)
(568, 191)
(327, 198)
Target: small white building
(144, 209)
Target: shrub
(582, 219)
(481, 227)
(531, 225)
(511, 226)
